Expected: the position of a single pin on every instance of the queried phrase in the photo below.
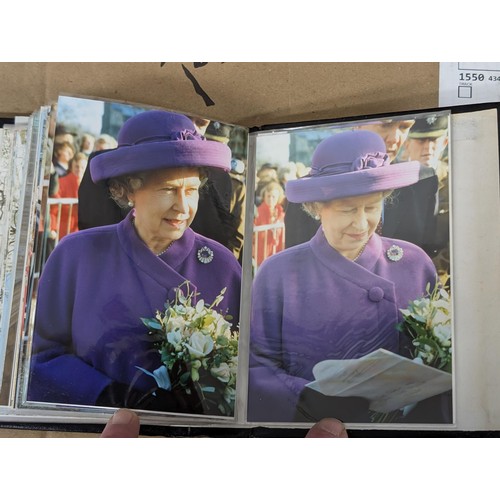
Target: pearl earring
(317, 217)
(130, 204)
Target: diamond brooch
(395, 253)
(205, 255)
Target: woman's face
(348, 223)
(166, 204)
(271, 197)
(78, 167)
(65, 154)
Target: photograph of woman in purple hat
(98, 283)
(339, 295)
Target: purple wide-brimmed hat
(155, 140)
(350, 163)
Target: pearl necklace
(163, 251)
(157, 254)
(360, 252)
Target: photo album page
(209, 275)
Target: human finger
(123, 424)
(327, 428)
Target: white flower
(419, 309)
(432, 336)
(199, 345)
(442, 304)
(175, 323)
(443, 334)
(440, 317)
(175, 338)
(426, 356)
(223, 327)
(180, 309)
(221, 372)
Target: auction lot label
(468, 83)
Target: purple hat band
(156, 140)
(349, 164)
(370, 160)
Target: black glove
(313, 406)
(176, 400)
(119, 396)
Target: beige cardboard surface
(248, 94)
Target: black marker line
(197, 87)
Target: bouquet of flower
(427, 322)
(199, 351)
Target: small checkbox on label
(464, 92)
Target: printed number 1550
(471, 77)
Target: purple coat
(94, 289)
(309, 303)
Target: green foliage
(427, 323)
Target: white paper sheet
(388, 380)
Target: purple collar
(357, 272)
(161, 269)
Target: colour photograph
(351, 300)
(138, 297)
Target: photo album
(208, 275)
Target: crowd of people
(70, 155)
(269, 235)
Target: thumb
(123, 424)
(327, 428)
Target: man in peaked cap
(414, 214)
(427, 143)
(427, 140)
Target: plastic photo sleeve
(352, 298)
(137, 295)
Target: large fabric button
(376, 294)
